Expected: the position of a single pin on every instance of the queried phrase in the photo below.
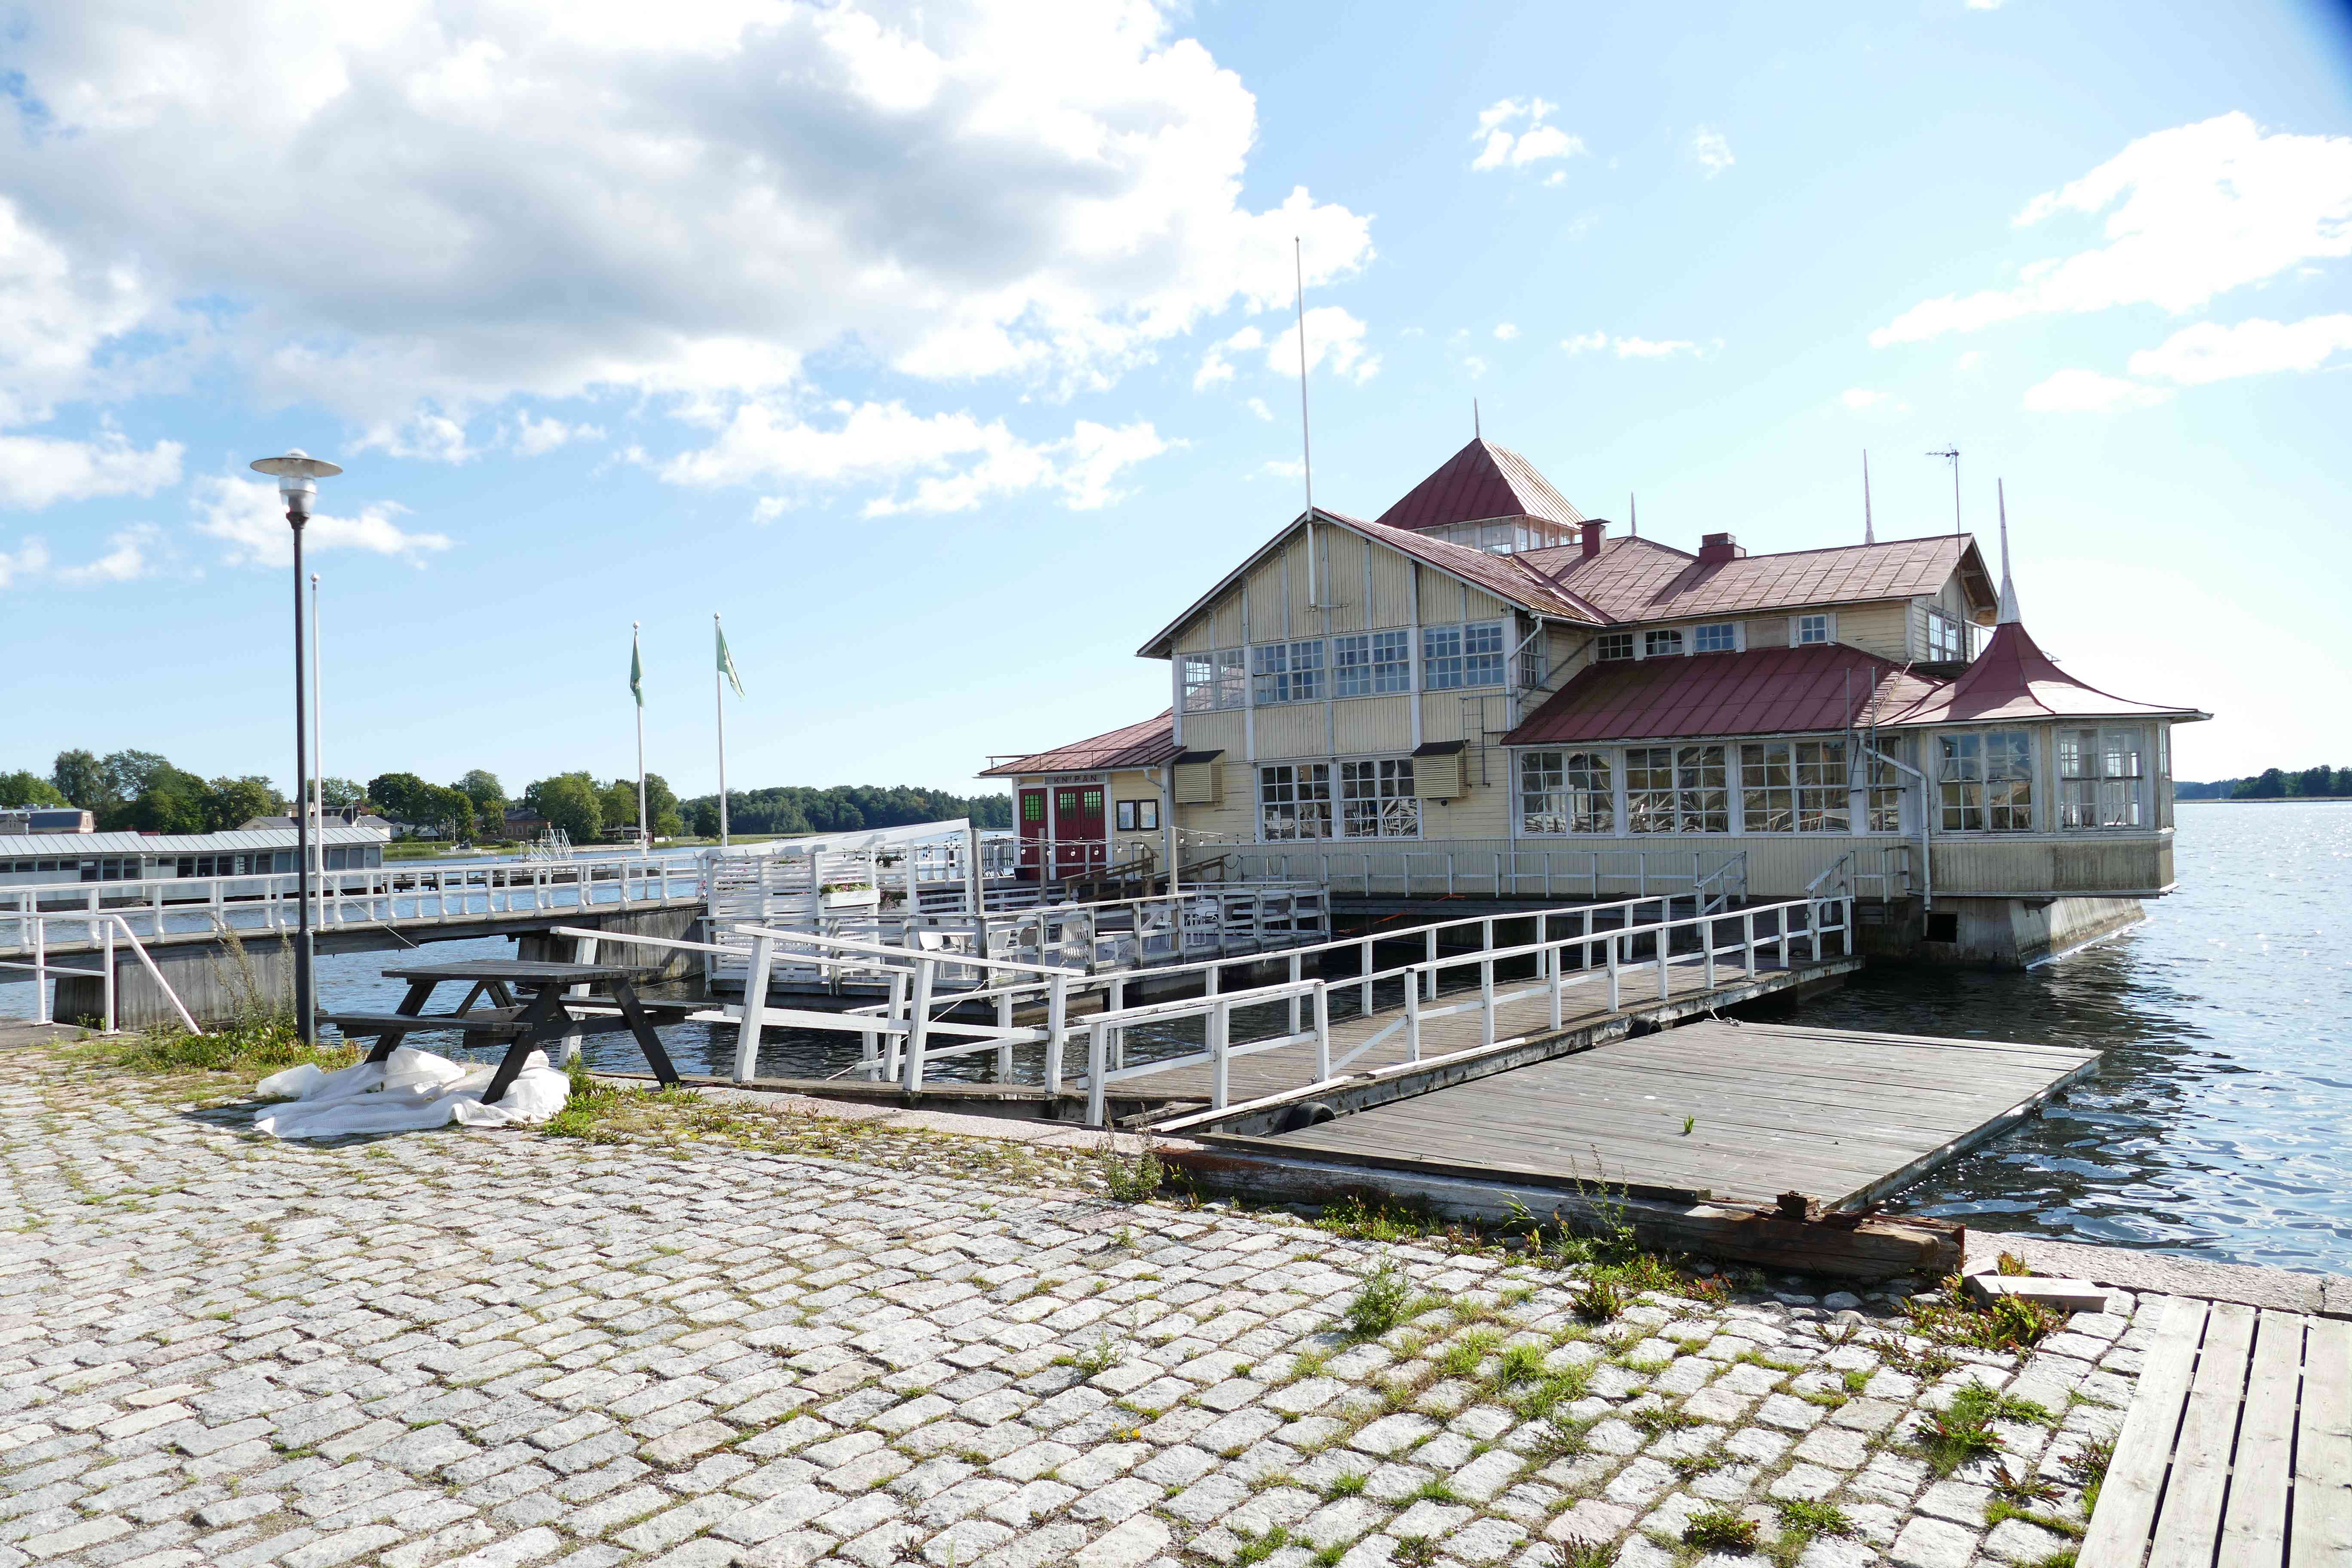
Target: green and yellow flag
(726, 659)
(636, 671)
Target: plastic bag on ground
(411, 1091)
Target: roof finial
(1633, 518)
(1868, 537)
(2008, 615)
(1475, 434)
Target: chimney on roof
(1714, 548)
(1589, 535)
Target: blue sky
(945, 351)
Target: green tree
(233, 802)
(404, 797)
(2315, 781)
(169, 800)
(335, 793)
(130, 774)
(79, 777)
(2270, 784)
(488, 796)
(568, 800)
(22, 788)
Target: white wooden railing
(393, 895)
(1505, 871)
(100, 943)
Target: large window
(1565, 791)
(1214, 681)
(1947, 639)
(1376, 799)
(1721, 638)
(1372, 663)
(1986, 782)
(1289, 671)
(1793, 786)
(1454, 656)
(1295, 801)
(1882, 810)
(1677, 789)
(2099, 774)
(1662, 645)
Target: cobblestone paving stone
(482, 1349)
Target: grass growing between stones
(2006, 1323)
(1963, 1430)
(251, 1049)
(1721, 1530)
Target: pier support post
(1411, 1018)
(755, 1002)
(919, 1020)
(1097, 1062)
(1057, 1017)
(1219, 1020)
(1322, 1033)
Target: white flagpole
(719, 692)
(643, 840)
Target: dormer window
(1947, 639)
(1612, 646)
(1721, 638)
(1811, 629)
(1662, 645)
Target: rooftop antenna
(1868, 537)
(1954, 454)
(1305, 438)
(2008, 615)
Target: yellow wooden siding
(1438, 777)
(1373, 725)
(1201, 784)
(1480, 605)
(1220, 731)
(1880, 628)
(1441, 716)
(1343, 582)
(1265, 602)
(1292, 730)
(1391, 603)
(1233, 818)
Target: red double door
(1067, 833)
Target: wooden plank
(2323, 1451)
(2120, 1527)
(2253, 1528)
(2188, 1521)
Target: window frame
(1604, 647)
(1733, 638)
(1976, 798)
(1139, 815)
(1655, 644)
(1697, 789)
(1377, 793)
(1828, 619)
(1211, 680)
(1286, 672)
(1574, 789)
(1303, 795)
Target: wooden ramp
(1585, 1004)
(2237, 1449)
(1742, 1112)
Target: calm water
(2219, 1122)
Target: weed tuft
(1384, 1300)
(1721, 1530)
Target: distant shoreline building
(1486, 670)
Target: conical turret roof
(1480, 481)
(2013, 680)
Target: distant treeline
(798, 808)
(2272, 784)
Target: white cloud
(1331, 334)
(1539, 142)
(247, 516)
(1285, 468)
(1506, 331)
(1710, 151)
(129, 559)
(2088, 392)
(1860, 397)
(543, 198)
(30, 559)
(1633, 348)
(1215, 369)
(1984, 5)
(1257, 405)
(35, 471)
(1871, 403)
(535, 437)
(2198, 210)
(2209, 352)
(1474, 365)
(936, 463)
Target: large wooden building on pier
(1485, 677)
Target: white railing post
(1298, 973)
(1411, 1018)
(1003, 1021)
(1220, 1024)
(1430, 973)
(1097, 1052)
(755, 1002)
(1364, 997)
(1322, 1032)
(109, 976)
(1614, 1000)
(1057, 1017)
(1119, 1032)
(919, 1022)
(1748, 940)
(1707, 947)
(1486, 999)
(1665, 942)
(40, 968)
(892, 1040)
(1845, 926)
(1557, 985)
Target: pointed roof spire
(1632, 517)
(2008, 615)
(1475, 432)
(1868, 536)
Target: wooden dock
(1714, 1110)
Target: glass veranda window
(1214, 681)
(1565, 791)
(1295, 801)
(2099, 775)
(1677, 789)
(1376, 799)
(1986, 782)
(1289, 672)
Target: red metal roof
(2014, 680)
(1507, 576)
(1480, 481)
(1641, 580)
(1144, 745)
(1765, 691)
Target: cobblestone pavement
(500, 1348)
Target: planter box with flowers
(848, 896)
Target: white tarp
(412, 1090)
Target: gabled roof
(1641, 580)
(1764, 691)
(2014, 679)
(1144, 745)
(1502, 575)
(1480, 481)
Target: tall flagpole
(718, 694)
(643, 840)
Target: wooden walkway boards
(1584, 1003)
(1839, 1115)
(2237, 1449)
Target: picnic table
(554, 1010)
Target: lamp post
(297, 475)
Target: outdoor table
(547, 1017)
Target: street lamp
(297, 475)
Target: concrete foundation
(1989, 934)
